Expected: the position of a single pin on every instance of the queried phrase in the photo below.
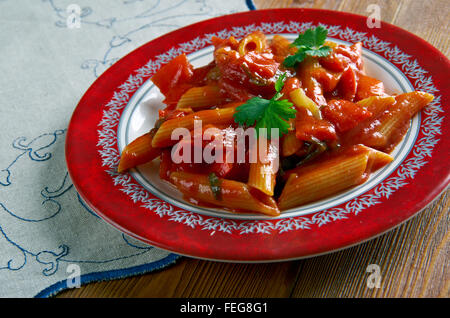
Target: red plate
(141, 207)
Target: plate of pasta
(265, 136)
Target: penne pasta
(376, 104)
(290, 144)
(281, 46)
(335, 124)
(138, 152)
(218, 116)
(263, 172)
(255, 41)
(386, 130)
(393, 126)
(322, 181)
(319, 180)
(201, 97)
(300, 99)
(377, 159)
(227, 193)
(312, 87)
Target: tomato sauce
(351, 108)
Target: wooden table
(413, 258)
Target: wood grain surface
(413, 258)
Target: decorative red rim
(91, 149)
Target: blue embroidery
(157, 14)
(21, 251)
(51, 259)
(15, 254)
(33, 148)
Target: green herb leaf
(266, 113)
(280, 82)
(214, 183)
(252, 111)
(275, 116)
(309, 43)
(316, 147)
(292, 60)
(312, 38)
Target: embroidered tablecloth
(51, 52)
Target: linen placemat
(51, 52)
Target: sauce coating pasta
(345, 125)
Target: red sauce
(344, 114)
(336, 83)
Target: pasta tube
(138, 152)
(227, 193)
(255, 41)
(201, 97)
(319, 180)
(387, 129)
(263, 172)
(290, 144)
(300, 99)
(281, 47)
(218, 116)
(376, 104)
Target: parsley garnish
(214, 183)
(267, 113)
(309, 43)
